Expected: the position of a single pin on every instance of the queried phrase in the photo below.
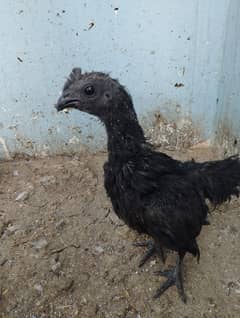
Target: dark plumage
(153, 193)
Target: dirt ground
(63, 252)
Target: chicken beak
(64, 103)
(60, 104)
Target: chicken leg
(174, 277)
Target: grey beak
(60, 104)
(64, 102)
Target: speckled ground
(63, 252)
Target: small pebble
(47, 180)
(152, 263)
(22, 196)
(99, 249)
(66, 284)
(12, 229)
(56, 267)
(38, 288)
(42, 243)
(84, 300)
(15, 173)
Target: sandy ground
(63, 252)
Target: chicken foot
(174, 277)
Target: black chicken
(150, 191)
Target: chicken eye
(89, 90)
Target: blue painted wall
(228, 115)
(149, 46)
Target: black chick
(150, 191)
